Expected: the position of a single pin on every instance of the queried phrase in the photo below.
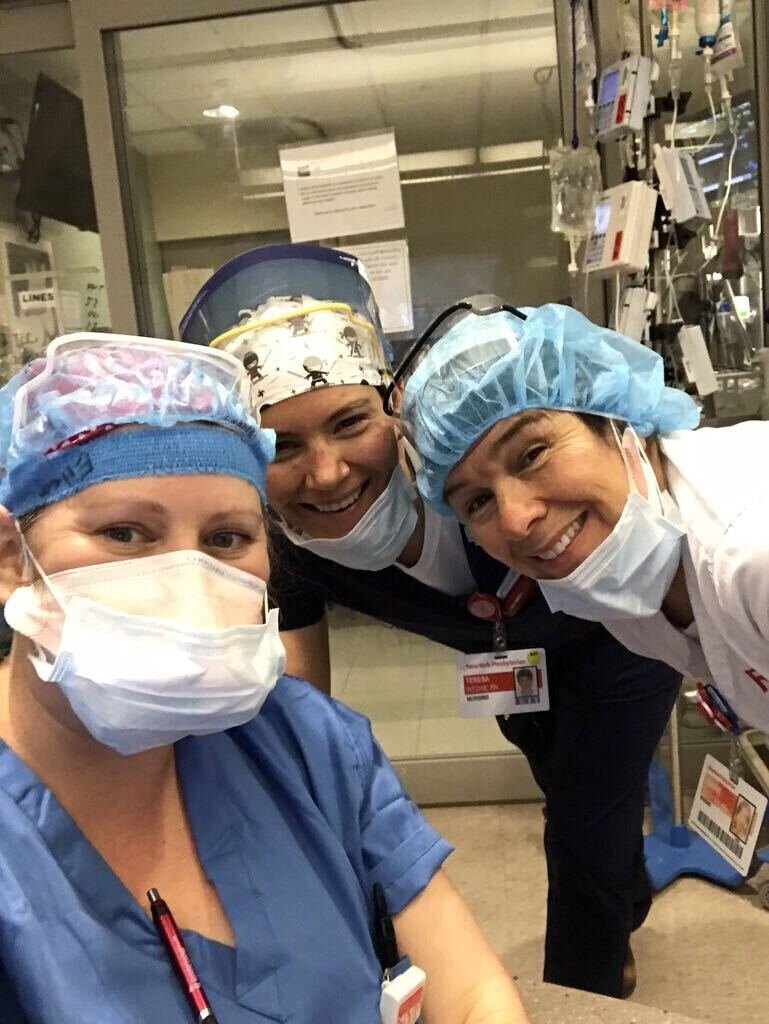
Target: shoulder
(300, 581)
(716, 475)
(314, 729)
(741, 561)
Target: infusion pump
(624, 218)
(680, 185)
(623, 97)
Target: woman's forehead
(314, 409)
(194, 493)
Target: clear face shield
(298, 317)
(442, 325)
(335, 280)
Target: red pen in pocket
(168, 931)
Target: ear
(396, 399)
(11, 557)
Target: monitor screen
(602, 212)
(713, 161)
(56, 173)
(609, 84)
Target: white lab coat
(719, 479)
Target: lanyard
(514, 593)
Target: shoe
(629, 975)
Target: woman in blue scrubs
(149, 740)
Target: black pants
(590, 755)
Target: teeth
(338, 506)
(564, 541)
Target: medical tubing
(574, 133)
(675, 766)
(714, 117)
(729, 173)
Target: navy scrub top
(295, 815)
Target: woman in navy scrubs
(351, 529)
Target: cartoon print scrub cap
(298, 317)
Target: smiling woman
(504, 442)
(540, 491)
(335, 453)
(310, 338)
(634, 526)
(148, 737)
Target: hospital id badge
(727, 813)
(502, 683)
(401, 999)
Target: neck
(657, 462)
(37, 722)
(413, 550)
(676, 606)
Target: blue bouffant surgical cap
(489, 367)
(59, 417)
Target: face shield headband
(478, 305)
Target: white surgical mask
(629, 573)
(151, 650)
(378, 537)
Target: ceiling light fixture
(223, 111)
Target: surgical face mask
(151, 650)
(629, 573)
(378, 537)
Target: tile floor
(410, 696)
(703, 952)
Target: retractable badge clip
(514, 593)
(402, 993)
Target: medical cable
(574, 132)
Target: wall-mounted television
(56, 173)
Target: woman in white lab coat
(557, 443)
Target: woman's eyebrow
(361, 403)
(522, 421)
(123, 507)
(519, 423)
(241, 513)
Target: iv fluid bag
(575, 185)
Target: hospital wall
(465, 236)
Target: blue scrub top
(295, 815)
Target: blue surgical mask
(629, 573)
(379, 537)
